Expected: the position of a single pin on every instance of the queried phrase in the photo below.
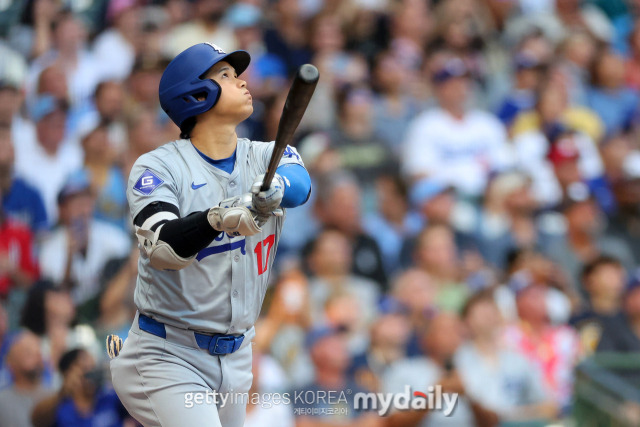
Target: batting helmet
(182, 82)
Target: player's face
(235, 99)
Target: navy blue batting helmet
(182, 82)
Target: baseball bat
(297, 101)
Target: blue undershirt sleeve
(297, 187)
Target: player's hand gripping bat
(297, 101)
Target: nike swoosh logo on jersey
(195, 187)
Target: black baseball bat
(297, 101)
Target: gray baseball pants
(173, 383)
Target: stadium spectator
(124, 37)
(578, 51)
(329, 262)
(454, 145)
(343, 311)
(116, 302)
(69, 52)
(49, 313)
(412, 26)
(608, 95)
(107, 182)
(507, 220)
(553, 349)
(268, 74)
(142, 87)
(437, 255)
(25, 363)
(439, 342)
(338, 205)
(529, 70)
(11, 102)
(45, 161)
(603, 280)
(205, 25)
(585, 239)
(108, 109)
(18, 268)
(354, 139)
(621, 161)
(265, 412)
(461, 28)
(75, 254)
(526, 266)
(436, 204)
(632, 66)
(82, 399)
(623, 336)
(20, 201)
(556, 159)
(330, 358)
(392, 223)
(143, 135)
(553, 107)
(412, 294)
(389, 339)
(286, 35)
(283, 329)
(501, 380)
(394, 105)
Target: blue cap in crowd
(77, 183)
(317, 334)
(425, 190)
(634, 281)
(243, 15)
(453, 67)
(45, 105)
(526, 61)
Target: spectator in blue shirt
(608, 95)
(19, 200)
(522, 97)
(82, 401)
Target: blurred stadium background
(474, 220)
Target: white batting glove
(246, 200)
(233, 220)
(268, 201)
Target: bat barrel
(296, 104)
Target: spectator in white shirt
(555, 159)
(45, 158)
(452, 144)
(500, 379)
(115, 48)
(75, 255)
(82, 70)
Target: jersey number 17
(266, 243)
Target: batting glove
(233, 217)
(246, 200)
(267, 201)
(114, 345)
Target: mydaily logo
(434, 400)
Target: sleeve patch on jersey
(148, 182)
(290, 152)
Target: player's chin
(247, 110)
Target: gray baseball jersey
(223, 289)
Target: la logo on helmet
(216, 47)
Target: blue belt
(217, 344)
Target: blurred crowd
(474, 220)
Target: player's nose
(241, 83)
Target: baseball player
(207, 237)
